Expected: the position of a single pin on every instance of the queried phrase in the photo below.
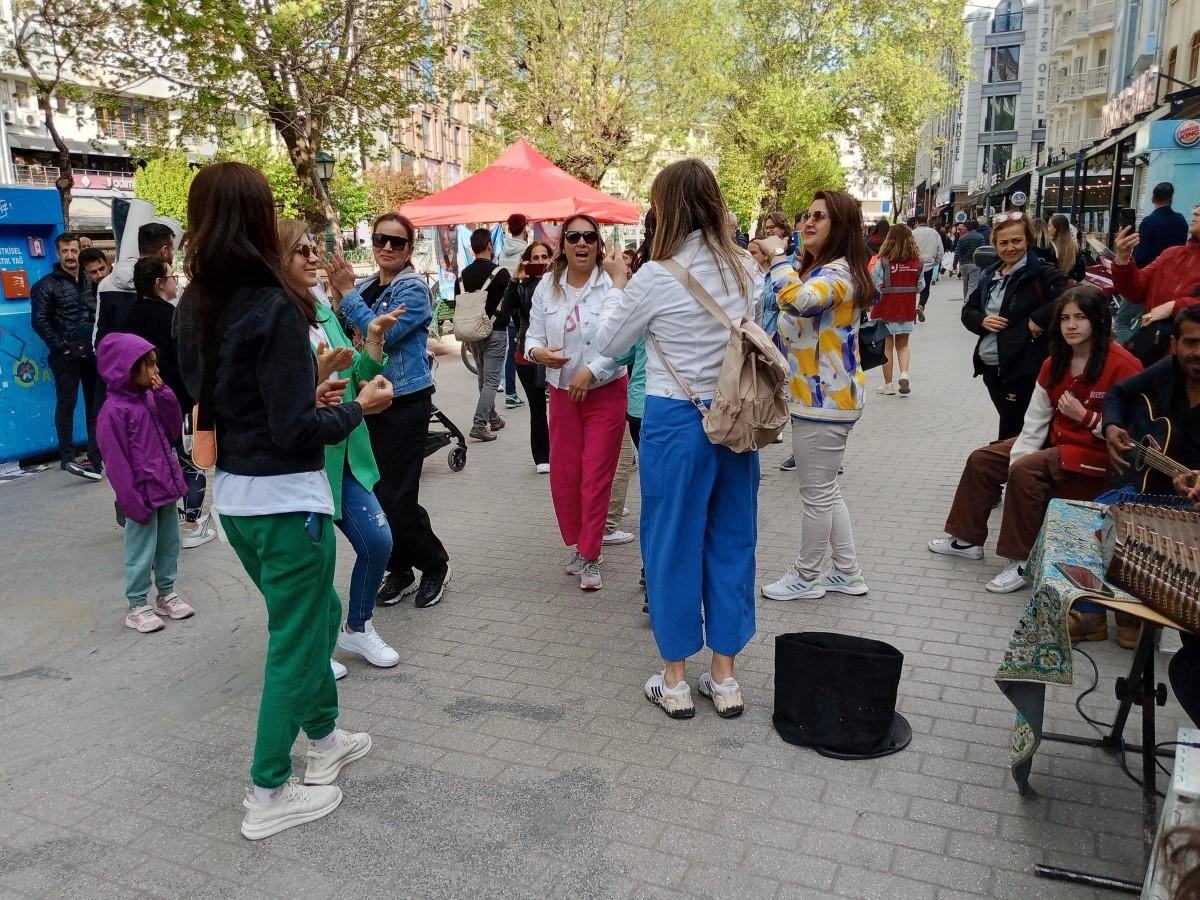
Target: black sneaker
(920, 314)
(396, 587)
(83, 470)
(433, 585)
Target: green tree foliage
(324, 73)
(869, 71)
(165, 181)
(591, 85)
(257, 151)
(389, 189)
(351, 196)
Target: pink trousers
(585, 443)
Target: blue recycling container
(30, 220)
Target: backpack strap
(703, 297)
(687, 388)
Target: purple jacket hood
(116, 355)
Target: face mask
(535, 270)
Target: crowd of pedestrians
(318, 394)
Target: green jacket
(635, 359)
(355, 451)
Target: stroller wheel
(468, 359)
(457, 459)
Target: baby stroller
(446, 433)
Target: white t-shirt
(267, 495)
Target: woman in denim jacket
(399, 434)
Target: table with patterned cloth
(1039, 652)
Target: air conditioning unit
(30, 119)
(9, 117)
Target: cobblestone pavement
(514, 754)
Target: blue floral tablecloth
(1039, 652)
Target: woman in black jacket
(1010, 309)
(243, 344)
(518, 301)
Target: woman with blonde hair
(699, 499)
(820, 308)
(1067, 257)
(588, 394)
(350, 464)
(896, 272)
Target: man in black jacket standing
(1161, 229)
(62, 318)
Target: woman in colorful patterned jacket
(819, 312)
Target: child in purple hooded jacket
(136, 428)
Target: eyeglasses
(307, 251)
(1008, 217)
(394, 240)
(588, 237)
(815, 216)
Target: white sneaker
(726, 697)
(193, 534)
(887, 390)
(617, 537)
(1012, 578)
(905, 384)
(369, 645)
(792, 587)
(542, 468)
(841, 583)
(339, 671)
(954, 547)
(325, 765)
(676, 702)
(589, 577)
(575, 564)
(295, 805)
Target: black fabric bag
(872, 335)
(836, 693)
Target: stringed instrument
(1151, 435)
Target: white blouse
(567, 317)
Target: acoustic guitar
(1151, 436)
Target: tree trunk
(892, 179)
(66, 172)
(302, 150)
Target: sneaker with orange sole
(1129, 630)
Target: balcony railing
(118, 130)
(1088, 17)
(1082, 84)
(46, 176)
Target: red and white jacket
(1081, 444)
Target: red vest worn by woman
(898, 296)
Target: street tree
(593, 85)
(390, 188)
(326, 75)
(165, 180)
(60, 44)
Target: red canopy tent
(520, 181)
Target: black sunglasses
(588, 237)
(397, 242)
(815, 216)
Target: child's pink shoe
(143, 620)
(172, 607)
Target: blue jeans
(699, 531)
(510, 361)
(151, 551)
(366, 527)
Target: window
(1172, 59)
(1102, 58)
(60, 104)
(1004, 64)
(1001, 113)
(996, 159)
(1008, 16)
(426, 133)
(1194, 57)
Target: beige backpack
(471, 321)
(749, 407)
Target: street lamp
(325, 164)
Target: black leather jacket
(60, 312)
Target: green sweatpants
(295, 575)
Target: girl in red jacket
(1064, 417)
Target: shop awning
(1016, 183)
(38, 142)
(520, 181)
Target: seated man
(1164, 287)
(1059, 452)
(1169, 390)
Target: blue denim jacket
(407, 365)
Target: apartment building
(1080, 73)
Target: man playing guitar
(1161, 406)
